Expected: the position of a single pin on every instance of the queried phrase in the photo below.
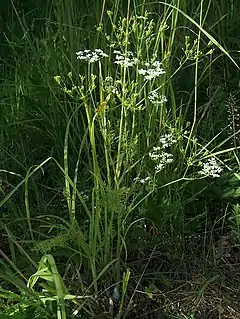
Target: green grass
(108, 207)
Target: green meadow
(119, 159)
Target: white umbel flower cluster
(152, 71)
(211, 168)
(143, 180)
(155, 98)
(84, 196)
(158, 154)
(125, 59)
(161, 158)
(167, 140)
(91, 56)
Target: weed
(115, 146)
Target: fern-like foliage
(61, 240)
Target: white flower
(161, 158)
(115, 91)
(159, 167)
(155, 98)
(167, 140)
(152, 71)
(142, 71)
(166, 158)
(109, 85)
(211, 168)
(91, 56)
(126, 59)
(85, 197)
(143, 180)
(154, 155)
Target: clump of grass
(127, 149)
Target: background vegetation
(119, 169)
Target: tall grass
(107, 147)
